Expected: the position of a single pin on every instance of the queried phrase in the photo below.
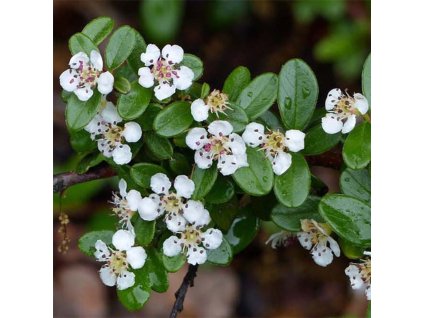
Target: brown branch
(188, 281)
(62, 181)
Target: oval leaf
(223, 214)
(173, 119)
(122, 85)
(204, 180)
(81, 43)
(134, 60)
(223, 190)
(144, 230)
(157, 274)
(147, 118)
(159, 146)
(142, 172)
(98, 29)
(134, 298)
(120, 46)
(194, 63)
(317, 141)
(175, 263)
(134, 104)
(221, 255)
(242, 232)
(356, 183)
(356, 151)
(236, 116)
(179, 164)
(236, 82)
(366, 79)
(79, 113)
(87, 242)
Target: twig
(188, 281)
(62, 181)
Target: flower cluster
(216, 103)
(360, 274)
(342, 111)
(163, 70)
(110, 136)
(85, 74)
(218, 143)
(275, 144)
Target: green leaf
(292, 187)
(269, 120)
(156, 271)
(205, 90)
(89, 161)
(87, 242)
(147, 118)
(257, 178)
(179, 164)
(134, 60)
(221, 255)
(356, 183)
(120, 46)
(78, 113)
(159, 146)
(316, 119)
(297, 94)
(194, 63)
(98, 29)
(356, 151)
(204, 180)
(242, 232)
(175, 263)
(223, 214)
(348, 217)
(122, 85)
(289, 219)
(366, 79)
(239, 78)
(81, 141)
(317, 141)
(81, 43)
(134, 104)
(173, 119)
(223, 190)
(258, 95)
(142, 172)
(134, 298)
(235, 116)
(350, 250)
(144, 230)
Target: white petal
(193, 211)
(227, 164)
(123, 240)
(237, 144)
(281, 163)
(84, 93)
(160, 183)
(349, 124)
(276, 239)
(204, 219)
(107, 276)
(69, 80)
(105, 83)
(110, 114)
(102, 252)
(196, 255)
(305, 240)
(241, 160)
(152, 53)
(353, 273)
(136, 257)
(253, 134)
(294, 140)
(134, 199)
(172, 246)
(146, 78)
(184, 186)
(334, 246)
(164, 90)
(96, 60)
(125, 280)
(173, 53)
(93, 126)
(78, 60)
(199, 110)
(368, 292)
(122, 188)
(148, 209)
(333, 98)
(203, 159)
(361, 103)
(176, 223)
(104, 148)
(331, 124)
(183, 79)
(196, 138)
(322, 255)
(212, 239)
(220, 128)
(122, 155)
(132, 132)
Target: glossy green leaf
(81, 43)
(236, 116)
(257, 178)
(144, 230)
(87, 242)
(289, 218)
(194, 63)
(173, 119)
(175, 263)
(223, 214)
(348, 217)
(242, 232)
(98, 29)
(258, 95)
(223, 190)
(134, 298)
(78, 113)
(350, 250)
(316, 119)
(81, 141)
(356, 183)
(142, 172)
(239, 78)
(89, 161)
(221, 255)
(147, 118)
(317, 141)
(356, 151)
(134, 104)
(159, 146)
(297, 94)
(120, 46)
(122, 85)
(134, 60)
(269, 120)
(157, 274)
(292, 187)
(366, 79)
(205, 90)
(204, 180)
(179, 164)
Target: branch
(62, 181)
(181, 292)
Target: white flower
(280, 238)
(315, 237)
(216, 102)
(342, 111)
(163, 71)
(220, 144)
(360, 274)
(275, 144)
(110, 137)
(85, 74)
(193, 242)
(116, 271)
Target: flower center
(218, 102)
(113, 135)
(88, 75)
(318, 231)
(117, 262)
(163, 70)
(217, 146)
(172, 203)
(345, 107)
(190, 237)
(366, 270)
(274, 143)
(121, 208)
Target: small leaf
(159, 146)
(120, 46)
(89, 161)
(350, 250)
(81, 141)
(205, 90)
(194, 63)
(242, 232)
(134, 298)
(221, 255)
(142, 172)
(258, 95)
(81, 43)
(223, 214)
(144, 230)
(269, 120)
(235, 116)
(239, 78)
(78, 113)
(356, 183)
(175, 263)
(257, 178)
(98, 29)
(134, 104)
(297, 94)
(156, 271)
(122, 85)
(292, 187)
(366, 79)
(87, 242)
(134, 59)
(204, 180)
(173, 119)
(223, 190)
(179, 164)
(356, 151)
(317, 141)
(147, 118)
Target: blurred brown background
(333, 37)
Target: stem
(188, 281)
